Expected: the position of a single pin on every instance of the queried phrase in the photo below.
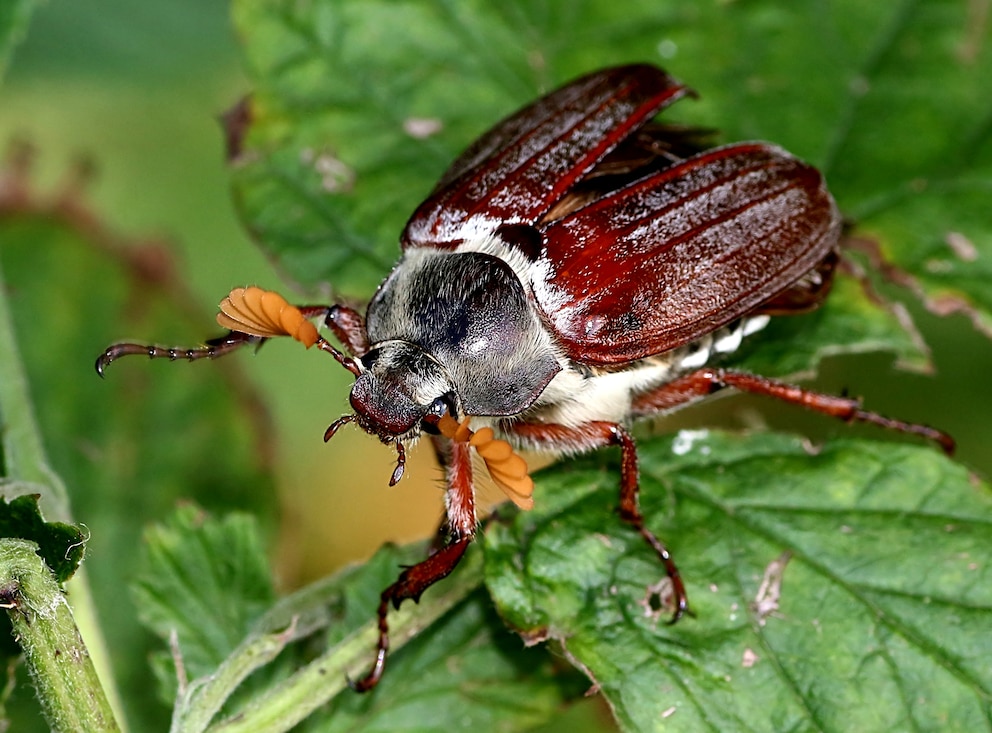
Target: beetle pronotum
(577, 268)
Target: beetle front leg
(348, 328)
(414, 580)
(598, 434)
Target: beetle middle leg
(695, 385)
(597, 434)
(414, 580)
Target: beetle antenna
(211, 350)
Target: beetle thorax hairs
(578, 394)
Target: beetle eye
(445, 404)
(370, 358)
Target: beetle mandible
(577, 268)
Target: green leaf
(468, 670)
(205, 581)
(60, 545)
(464, 667)
(884, 605)
(27, 474)
(126, 445)
(14, 16)
(917, 109)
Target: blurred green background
(137, 100)
(117, 103)
(119, 100)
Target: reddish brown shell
(620, 274)
(678, 254)
(517, 171)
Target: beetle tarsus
(413, 581)
(400, 464)
(371, 679)
(680, 599)
(945, 441)
(343, 359)
(333, 428)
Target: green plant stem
(199, 703)
(67, 682)
(295, 698)
(25, 462)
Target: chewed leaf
(60, 545)
(265, 313)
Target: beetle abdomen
(580, 394)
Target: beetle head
(400, 384)
(450, 333)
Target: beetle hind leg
(698, 384)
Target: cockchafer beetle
(578, 267)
